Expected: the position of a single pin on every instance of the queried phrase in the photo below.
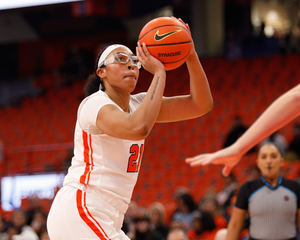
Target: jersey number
(135, 158)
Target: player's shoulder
(98, 94)
(97, 97)
(139, 97)
(94, 102)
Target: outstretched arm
(279, 113)
(197, 103)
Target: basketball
(168, 40)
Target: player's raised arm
(279, 113)
(197, 103)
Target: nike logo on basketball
(158, 37)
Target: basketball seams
(166, 44)
(163, 26)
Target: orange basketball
(168, 40)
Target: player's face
(269, 161)
(119, 75)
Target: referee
(272, 202)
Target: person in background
(132, 211)
(142, 229)
(157, 214)
(279, 140)
(19, 229)
(35, 205)
(211, 205)
(176, 224)
(273, 202)
(204, 227)
(252, 173)
(177, 234)
(3, 232)
(294, 145)
(185, 211)
(1, 151)
(223, 196)
(38, 223)
(179, 191)
(237, 129)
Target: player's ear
(101, 72)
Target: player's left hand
(188, 28)
(227, 156)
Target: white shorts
(79, 215)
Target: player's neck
(122, 100)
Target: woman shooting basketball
(109, 140)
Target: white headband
(107, 51)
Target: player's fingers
(188, 27)
(189, 160)
(193, 159)
(198, 162)
(137, 52)
(226, 170)
(206, 161)
(140, 53)
(139, 49)
(181, 20)
(195, 164)
(185, 24)
(146, 52)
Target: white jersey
(109, 164)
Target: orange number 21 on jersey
(135, 158)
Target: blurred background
(248, 48)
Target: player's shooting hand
(149, 63)
(227, 156)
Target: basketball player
(109, 140)
(279, 113)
